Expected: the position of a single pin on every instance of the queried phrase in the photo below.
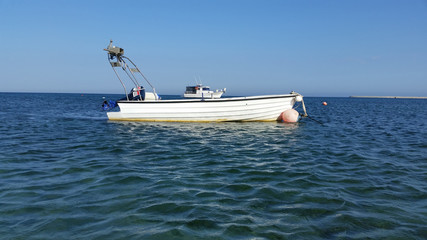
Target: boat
(140, 105)
(202, 91)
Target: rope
(319, 122)
(305, 110)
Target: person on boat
(136, 94)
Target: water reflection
(208, 130)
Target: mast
(117, 58)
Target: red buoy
(289, 116)
(324, 103)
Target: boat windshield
(190, 90)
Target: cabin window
(190, 90)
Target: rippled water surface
(66, 172)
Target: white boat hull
(255, 108)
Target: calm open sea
(66, 172)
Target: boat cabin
(194, 89)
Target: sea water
(66, 172)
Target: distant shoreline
(400, 97)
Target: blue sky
(317, 48)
